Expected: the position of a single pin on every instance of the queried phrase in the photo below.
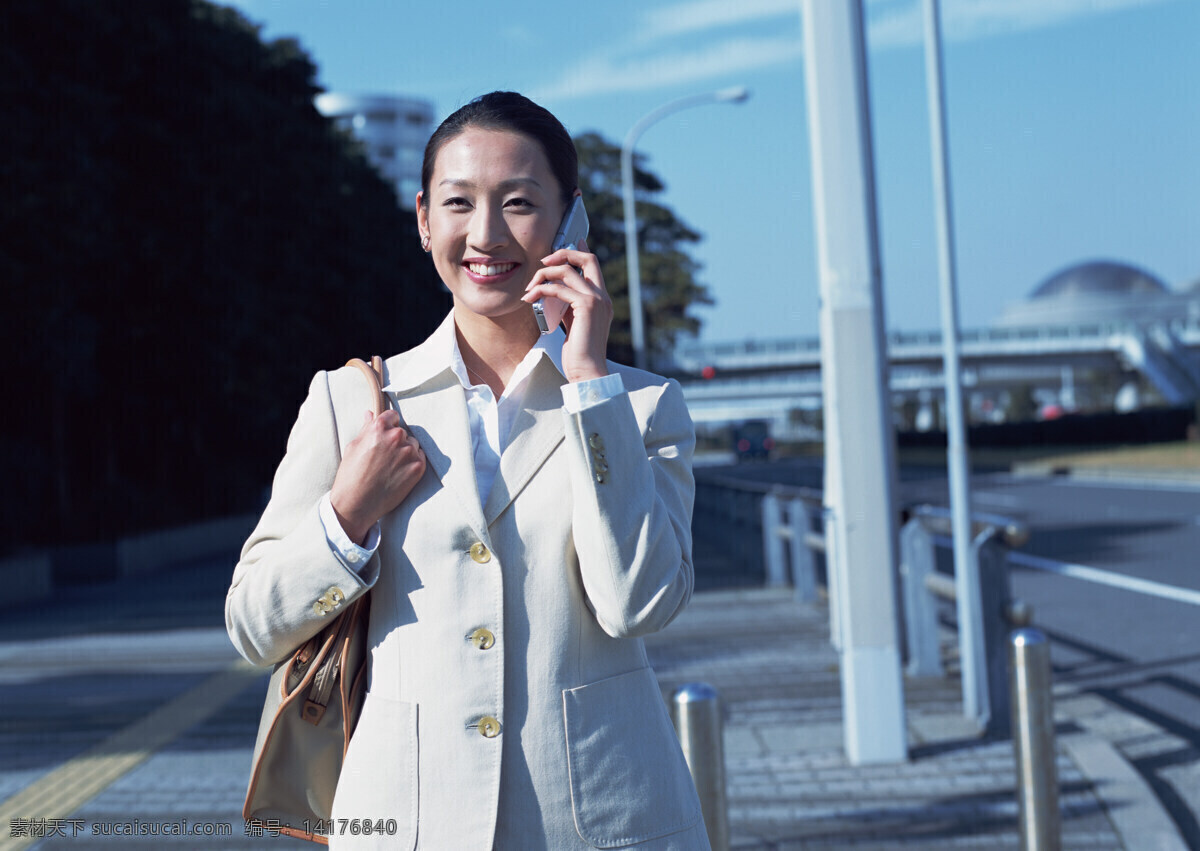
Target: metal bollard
(696, 711)
(1033, 740)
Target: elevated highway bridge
(771, 379)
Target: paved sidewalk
(790, 786)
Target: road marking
(1004, 500)
(68, 787)
(1108, 577)
(1129, 482)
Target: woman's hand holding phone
(589, 308)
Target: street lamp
(966, 578)
(736, 94)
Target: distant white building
(394, 130)
(1102, 292)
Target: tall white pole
(969, 601)
(735, 94)
(859, 445)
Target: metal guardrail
(790, 544)
(789, 540)
(728, 518)
(993, 538)
(1109, 578)
(1018, 680)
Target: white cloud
(707, 44)
(605, 74)
(700, 15)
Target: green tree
(184, 240)
(668, 273)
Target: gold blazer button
(483, 639)
(480, 553)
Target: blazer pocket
(376, 801)
(629, 781)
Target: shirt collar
(440, 353)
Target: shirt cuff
(349, 553)
(580, 395)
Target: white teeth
(489, 271)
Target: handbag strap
(373, 372)
(326, 674)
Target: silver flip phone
(573, 230)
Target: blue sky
(1074, 128)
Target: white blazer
(511, 704)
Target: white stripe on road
(1078, 479)
(1002, 500)
(1107, 577)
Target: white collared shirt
(490, 418)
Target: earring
(425, 242)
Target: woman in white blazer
(521, 516)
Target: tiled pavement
(790, 786)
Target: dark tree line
(184, 241)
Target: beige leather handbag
(313, 702)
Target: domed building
(1101, 292)
(1120, 321)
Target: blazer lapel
(436, 413)
(536, 432)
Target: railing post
(990, 555)
(1033, 741)
(917, 561)
(804, 567)
(774, 547)
(696, 711)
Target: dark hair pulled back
(515, 113)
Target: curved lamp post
(737, 94)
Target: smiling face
(492, 212)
